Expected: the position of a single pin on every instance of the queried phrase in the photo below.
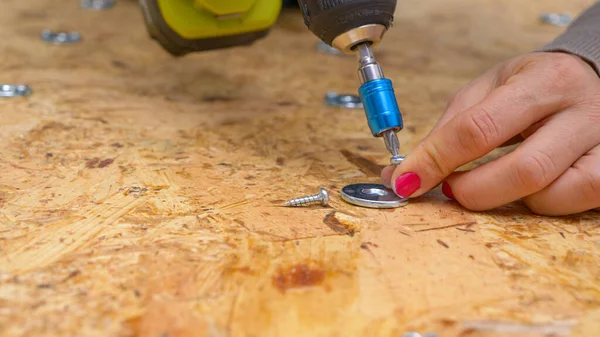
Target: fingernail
(447, 190)
(407, 184)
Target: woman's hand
(552, 101)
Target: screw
(416, 334)
(97, 4)
(556, 19)
(321, 198)
(60, 37)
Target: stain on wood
(92, 163)
(105, 162)
(298, 276)
(366, 245)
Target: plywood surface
(140, 193)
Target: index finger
(507, 111)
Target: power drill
(351, 26)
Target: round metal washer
(346, 101)
(372, 196)
(60, 37)
(12, 90)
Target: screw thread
(304, 201)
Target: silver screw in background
(416, 334)
(556, 19)
(60, 37)
(321, 198)
(12, 90)
(97, 4)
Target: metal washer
(12, 90)
(346, 101)
(372, 196)
(60, 37)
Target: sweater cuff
(585, 44)
(582, 38)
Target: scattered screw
(60, 37)
(327, 49)
(97, 4)
(556, 19)
(321, 198)
(12, 90)
(416, 334)
(343, 100)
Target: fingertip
(447, 190)
(386, 175)
(459, 187)
(451, 185)
(407, 184)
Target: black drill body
(328, 19)
(353, 27)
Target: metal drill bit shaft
(393, 145)
(368, 68)
(391, 142)
(321, 198)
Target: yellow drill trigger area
(184, 26)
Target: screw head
(397, 160)
(324, 197)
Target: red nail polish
(407, 184)
(447, 190)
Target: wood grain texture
(140, 193)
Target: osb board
(140, 193)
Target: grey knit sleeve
(582, 38)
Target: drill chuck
(381, 106)
(344, 24)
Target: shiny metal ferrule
(368, 68)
